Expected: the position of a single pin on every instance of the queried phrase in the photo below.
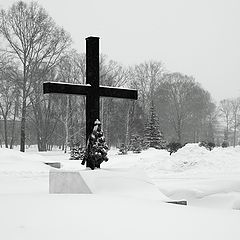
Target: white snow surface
(208, 180)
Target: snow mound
(125, 182)
(155, 162)
(13, 161)
(192, 157)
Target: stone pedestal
(67, 182)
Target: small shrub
(225, 144)
(76, 153)
(202, 144)
(173, 147)
(208, 145)
(211, 146)
(123, 149)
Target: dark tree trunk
(5, 132)
(179, 132)
(13, 134)
(42, 145)
(23, 126)
(13, 127)
(235, 130)
(71, 134)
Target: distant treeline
(36, 50)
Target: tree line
(34, 49)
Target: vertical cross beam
(92, 78)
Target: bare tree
(8, 94)
(146, 77)
(179, 100)
(210, 121)
(70, 109)
(15, 115)
(235, 111)
(225, 108)
(202, 118)
(35, 41)
(41, 112)
(111, 74)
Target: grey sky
(199, 38)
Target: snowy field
(209, 181)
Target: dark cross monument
(91, 89)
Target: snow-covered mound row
(196, 174)
(193, 173)
(192, 157)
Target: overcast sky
(195, 37)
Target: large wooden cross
(91, 89)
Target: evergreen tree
(135, 144)
(96, 150)
(153, 137)
(123, 149)
(77, 153)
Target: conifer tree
(123, 149)
(96, 150)
(153, 137)
(135, 144)
(77, 153)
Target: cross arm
(66, 88)
(115, 92)
(85, 89)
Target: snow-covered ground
(208, 180)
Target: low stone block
(67, 182)
(54, 164)
(180, 202)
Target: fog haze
(198, 38)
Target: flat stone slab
(67, 182)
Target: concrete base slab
(67, 182)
